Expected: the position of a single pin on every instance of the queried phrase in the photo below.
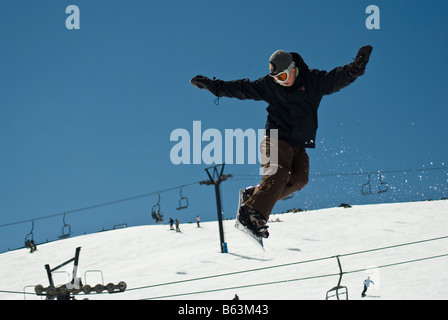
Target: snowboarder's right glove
(358, 67)
(201, 82)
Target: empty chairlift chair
(382, 185)
(366, 189)
(183, 201)
(66, 229)
(338, 292)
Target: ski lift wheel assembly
(74, 287)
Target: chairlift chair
(183, 201)
(155, 212)
(30, 235)
(382, 185)
(338, 290)
(66, 229)
(366, 188)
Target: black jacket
(292, 110)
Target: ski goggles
(283, 76)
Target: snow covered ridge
(400, 246)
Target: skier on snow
(293, 92)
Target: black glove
(201, 82)
(358, 67)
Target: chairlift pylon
(183, 201)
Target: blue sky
(86, 115)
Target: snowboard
(241, 227)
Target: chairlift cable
(351, 173)
(293, 263)
(198, 182)
(104, 204)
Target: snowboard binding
(248, 221)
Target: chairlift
(183, 201)
(366, 188)
(155, 212)
(338, 290)
(66, 229)
(30, 236)
(382, 185)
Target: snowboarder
(293, 92)
(367, 283)
(177, 226)
(198, 220)
(171, 224)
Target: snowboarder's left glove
(358, 67)
(201, 82)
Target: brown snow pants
(291, 175)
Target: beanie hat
(279, 61)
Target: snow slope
(146, 256)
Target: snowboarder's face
(287, 77)
(291, 78)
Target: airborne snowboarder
(293, 92)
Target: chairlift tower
(216, 176)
